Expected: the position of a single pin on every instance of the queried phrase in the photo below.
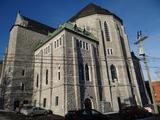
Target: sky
(136, 15)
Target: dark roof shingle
(91, 9)
(37, 26)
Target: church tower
(118, 81)
(17, 76)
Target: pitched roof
(91, 9)
(73, 28)
(37, 26)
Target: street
(2, 117)
(14, 116)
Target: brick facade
(156, 90)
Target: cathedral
(84, 62)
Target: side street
(14, 116)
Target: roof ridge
(91, 9)
(68, 26)
(33, 25)
(30, 19)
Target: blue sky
(136, 14)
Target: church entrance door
(16, 104)
(88, 104)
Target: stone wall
(119, 58)
(19, 65)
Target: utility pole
(139, 42)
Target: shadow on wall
(81, 72)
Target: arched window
(106, 31)
(113, 73)
(87, 72)
(81, 72)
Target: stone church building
(84, 62)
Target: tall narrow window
(23, 72)
(108, 52)
(87, 72)
(22, 86)
(106, 31)
(77, 43)
(83, 45)
(113, 73)
(81, 72)
(56, 101)
(46, 76)
(44, 102)
(80, 44)
(60, 41)
(55, 44)
(37, 80)
(111, 51)
(86, 46)
(59, 74)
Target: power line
(140, 40)
(30, 55)
(62, 58)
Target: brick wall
(156, 89)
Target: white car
(31, 111)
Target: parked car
(85, 114)
(149, 108)
(31, 111)
(134, 112)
